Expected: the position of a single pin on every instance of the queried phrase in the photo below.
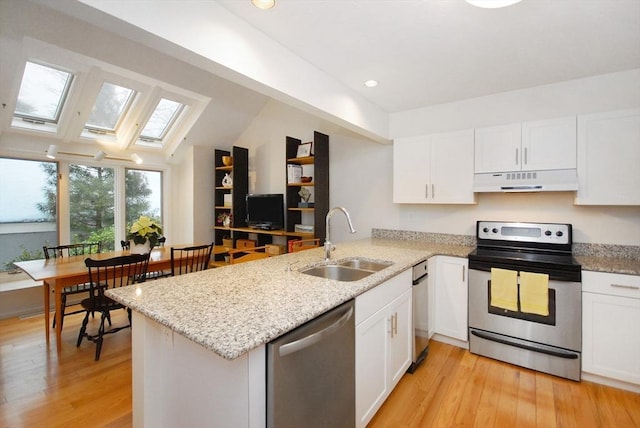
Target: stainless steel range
(525, 297)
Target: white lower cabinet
(611, 326)
(450, 284)
(383, 343)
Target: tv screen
(265, 211)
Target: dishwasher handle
(305, 342)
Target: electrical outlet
(167, 336)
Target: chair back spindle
(190, 259)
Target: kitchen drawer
(612, 284)
(378, 297)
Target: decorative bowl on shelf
(306, 179)
(227, 160)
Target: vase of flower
(143, 248)
(144, 235)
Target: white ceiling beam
(212, 32)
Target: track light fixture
(52, 151)
(99, 156)
(137, 159)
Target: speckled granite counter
(610, 264)
(623, 259)
(233, 309)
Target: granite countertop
(233, 309)
(628, 266)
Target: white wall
(360, 169)
(181, 204)
(607, 225)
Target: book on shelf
(294, 173)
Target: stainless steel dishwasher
(420, 296)
(311, 373)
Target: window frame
(66, 90)
(121, 117)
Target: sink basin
(337, 272)
(347, 270)
(365, 264)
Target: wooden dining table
(61, 272)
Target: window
(42, 93)
(110, 106)
(28, 207)
(161, 120)
(91, 205)
(143, 195)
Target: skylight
(111, 104)
(161, 120)
(42, 93)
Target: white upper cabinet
(435, 169)
(549, 144)
(609, 158)
(497, 149)
(530, 146)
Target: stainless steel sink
(347, 270)
(337, 272)
(365, 264)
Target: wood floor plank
(39, 388)
(508, 400)
(545, 410)
(488, 405)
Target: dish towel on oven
(534, 293)
(504, 289)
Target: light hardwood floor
(452, 388)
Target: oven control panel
(552, 233)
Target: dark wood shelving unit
(320, 184)
(239, 172)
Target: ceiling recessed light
(371, 83)
(492, 4)
(263, 4)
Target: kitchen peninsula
(213, 370)
(199, 339)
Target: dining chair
(247, 254)
(190, 259)
(126, 245)
(303, 244)
(103, 275)
(67, 251)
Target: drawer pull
(632, 287)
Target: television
(265, 211)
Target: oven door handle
(540, 348)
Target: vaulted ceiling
(316, 54)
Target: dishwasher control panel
(419, 271)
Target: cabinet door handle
(433, 191)
(517, 157)
(525, 156)
(426, 191)
(393, 325)
(464, 273)
(631, 287)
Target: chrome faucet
(328, 246)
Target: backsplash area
(579, 248)
(435, 238)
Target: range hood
(526, 181)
